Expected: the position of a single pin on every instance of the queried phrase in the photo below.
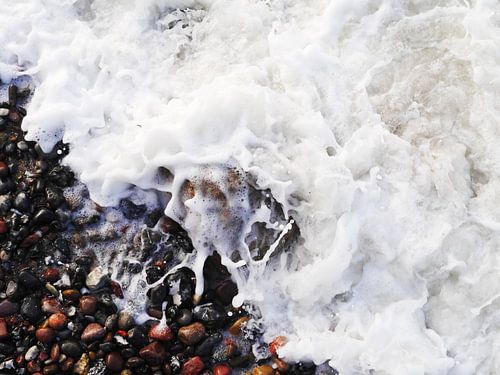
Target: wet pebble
(21, 202)
(185, 317)
(58, 321)
(45, 335)
(192, 366)
(161, 332)
(114, 362)
(221, 369)
(192, 333)
(4, 331)
(71, 348)
(125, 320)
(137, 337)
(206, 347)
(153, 353)
(43, 217)
(30, 308)
(28, 280)
(88, 304)
(92, 332)
(96, 278)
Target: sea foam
(373, 123)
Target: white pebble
(4, 112)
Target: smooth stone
(71, 348)
(30, 308)
(92, 332)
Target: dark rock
(71, 348)
(31, 309)
(6, 186)
(137, 337)
(206, 347)
(29, 281)
(43, 217)
(21, 202)
(135, 362)
(54, 197)
(208, 314)
(131, 210)
(157, 294)
(185, 288)
(226, 291)
(129, 352)
(185, 317)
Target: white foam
(373, 122)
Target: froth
(372, 123)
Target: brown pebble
(55, 352)
(71, 294)
(161, 332)
(280, 365)
(88, 304)
(167, 370)
(33, 366)
(4, 169)
(126, 372)
(3, 227)
(51, 369)
(154, 353)
(263, 370)
(58, 321)
(45, 335)
(236, 327)
(193, 366)
(192, 333)
(29, 241)
(114, 362)
(51, 305)
(68, 364)
(4, 331)
(93, 332)
(221, 369)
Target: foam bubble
(373, 123)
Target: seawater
(373, 123)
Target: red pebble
(278, 342)
(161, 332)
(221, 369)
(4, 169)
(51, 275)
(29, 241)
(4, 331)
(192, 366)
(45, 335)
(122, 333)
(3, 226)
(43, 356)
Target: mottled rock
(192, 366)
(192, 333)
(154, 353)
(92, 332)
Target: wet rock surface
(59, 310)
